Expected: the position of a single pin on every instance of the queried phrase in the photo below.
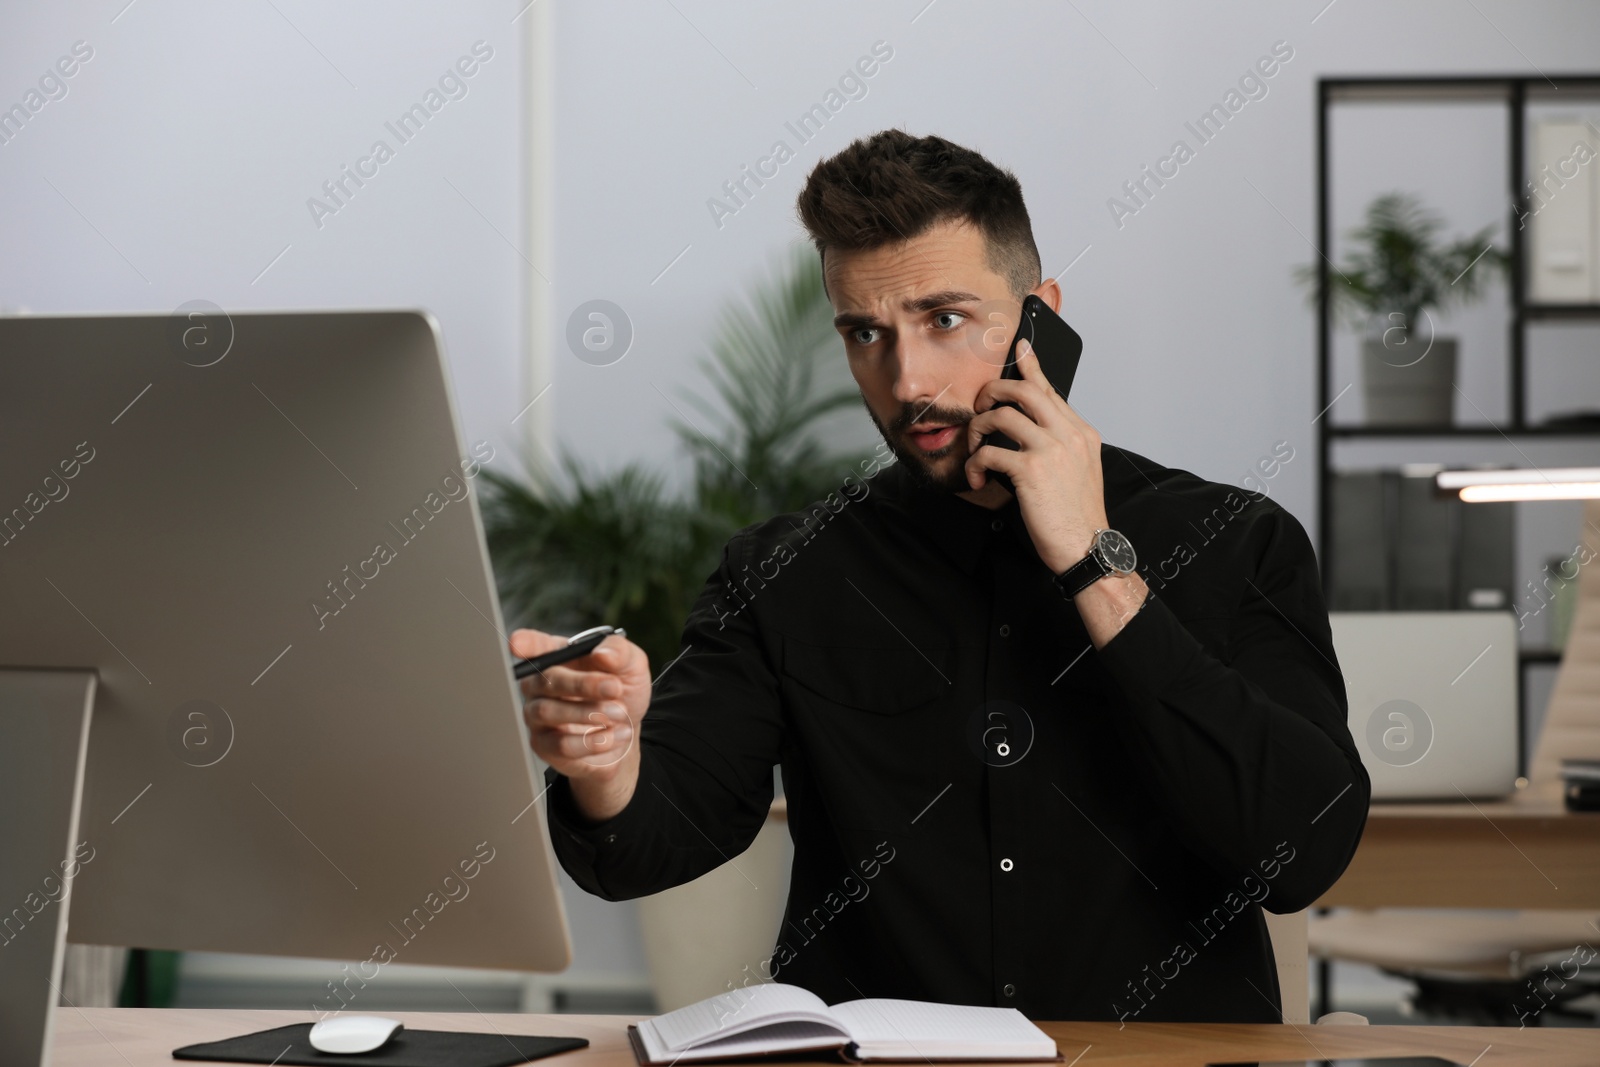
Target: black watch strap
(1081, 575)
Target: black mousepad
(408, 1048)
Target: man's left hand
(1060, 487)
(1056, 470)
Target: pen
(579, 644)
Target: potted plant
(573, 547)
(1391, 281)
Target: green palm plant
(574, 546)
(1398, 265)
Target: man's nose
(918, 377)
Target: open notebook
(763, 1020)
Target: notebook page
(736, 1012)
(773, 1037)
(922, 1029)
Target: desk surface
(1524, 852)
(143, 1037)
(1529, 803)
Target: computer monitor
(250, 545)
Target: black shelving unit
(1516, 92)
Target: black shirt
(984, 809)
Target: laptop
(1433, 700)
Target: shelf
(1450, 88)
(1381, 432)
(1561, 311)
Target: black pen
(579, 644)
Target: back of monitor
(305, 739)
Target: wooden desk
(145, 1037)
(1526, 852)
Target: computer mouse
(352, 1034)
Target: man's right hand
(583, 717)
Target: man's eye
(864, 335)
(956, 319)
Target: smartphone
(1056, 346)
(1350, 1061)
(579, 644)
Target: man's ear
(1050, 293)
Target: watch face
(1116, 551)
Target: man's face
(925, 323)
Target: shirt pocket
(879, 680)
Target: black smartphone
(1350, 1061)
(579, 644)
(1057, 347)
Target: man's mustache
(910, 414)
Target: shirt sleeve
(709, 741)
(1251, 751)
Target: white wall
(1198, 346)
(179, 163)
(183, 155)
(186, 149)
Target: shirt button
(1006, 864)
(1009, 990)
(1005, 629)
(998, 524)
(609, 838)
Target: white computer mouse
(352, 1034)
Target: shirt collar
(961, 530)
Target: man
(1020, 769)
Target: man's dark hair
(891, 187)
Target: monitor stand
(44, 739)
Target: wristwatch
(1112, 556)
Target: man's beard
(917, 462)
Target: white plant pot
(1411, 384)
